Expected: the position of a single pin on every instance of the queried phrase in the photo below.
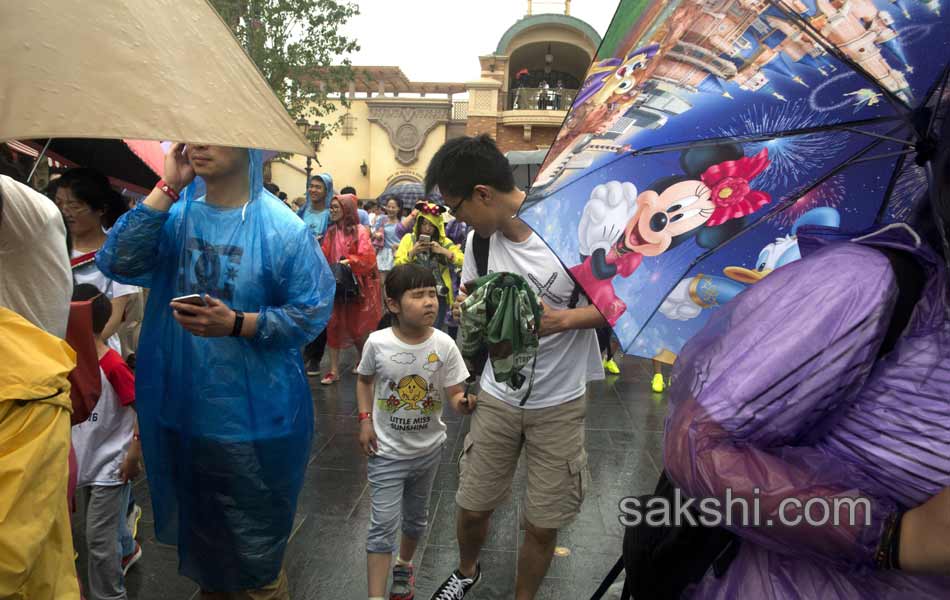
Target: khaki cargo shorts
(553, 440)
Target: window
(349, 125)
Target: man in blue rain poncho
(224, 407)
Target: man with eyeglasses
(478, 188)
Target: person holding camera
(357, 307)
(428, 245)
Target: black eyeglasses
(452, 209)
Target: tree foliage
(295, 44)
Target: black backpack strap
(609, 580)
(480, 248)
(575, 295)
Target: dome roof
(532, 21)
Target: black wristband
(896, 542)
(888, 549)
(238, 323)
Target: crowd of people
(213, 300)
(242, 292)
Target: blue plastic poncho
(318, 220)
(226, 423)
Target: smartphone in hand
(192, 299)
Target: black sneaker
(313, 370)
(457, 585)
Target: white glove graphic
(610, 207)
(679, 305)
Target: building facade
(393, 126)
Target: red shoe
(131, 559)
(404, 583)
(330, 378)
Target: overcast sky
(441, 40)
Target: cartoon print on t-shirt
(433, 363)
(215, 268)
(403, 358)
(411, 393)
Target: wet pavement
(326, 556)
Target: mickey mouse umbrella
(707, 133)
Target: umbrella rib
(832, 49)
(939, 95)
(762, 137)
(39, 157)
(880, 156)
(880, 136)
(791, 200)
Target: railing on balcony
(540, 99)
(460, 110)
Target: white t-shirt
(566, 360)
(34, 265)
(409, 390)
(90, 273)
(101, 441)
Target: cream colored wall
(341, 157)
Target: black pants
(313, 353)
(603, 338)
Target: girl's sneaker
(404, 583)
(131, 559)
(658, 384)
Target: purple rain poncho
(781, 392)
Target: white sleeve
(121, 289)
(455, 370)
(469, 268)
(367, 366)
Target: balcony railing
(540, 99)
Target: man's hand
(368, 438)
(925, 537)
(457, 305)
(552, 320)
(214, 320)
(178, 170)
(131, 466)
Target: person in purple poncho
(801, 388)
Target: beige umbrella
(134, 69)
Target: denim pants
(399, 487)
(107, 539)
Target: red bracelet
(167, 190)
(364, 416)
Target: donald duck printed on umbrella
(708, 203)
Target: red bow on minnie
(427, 207)
(730, 190)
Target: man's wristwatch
(238, 323)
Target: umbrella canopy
(409, 193)
(134, 69)
(704, 137)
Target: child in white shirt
(109, 456)
(406, 374)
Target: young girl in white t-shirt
(109, 457)
(405, 376)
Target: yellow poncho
(36, 546)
